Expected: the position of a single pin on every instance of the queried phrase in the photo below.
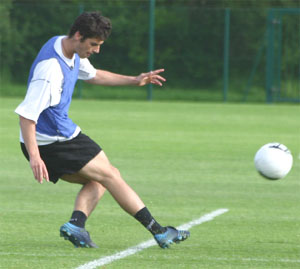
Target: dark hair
(91, 25)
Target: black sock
(78, 218)
(145, 218)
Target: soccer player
(55, 146)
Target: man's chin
(84, 56)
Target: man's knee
(96, 185)
(112, 173)
(116, 171)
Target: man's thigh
(75, 178)
(97, 169)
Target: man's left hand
(151, 77)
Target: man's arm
(107, 78)
(37, 165)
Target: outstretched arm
(107, 78)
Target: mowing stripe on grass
(130, 251)
(248, 259)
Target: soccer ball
(273, 161)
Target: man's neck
(66, 45)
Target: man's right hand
(39, 169)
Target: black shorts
(66, 157)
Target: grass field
(185, 160)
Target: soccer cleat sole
(182, 235)
(68, 236)
(170, 242)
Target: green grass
(185, 160)
(165, 93)
(237, 92)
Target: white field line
(132, 250)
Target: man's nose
(97, 49)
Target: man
(54, 144)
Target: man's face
(88, 47)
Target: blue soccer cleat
(172, 235)
(79, 237)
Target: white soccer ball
(273, 161)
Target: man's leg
(89, 195)
(86, 201)
(99, 169)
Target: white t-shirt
(45, 90)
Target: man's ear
(77, 36)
